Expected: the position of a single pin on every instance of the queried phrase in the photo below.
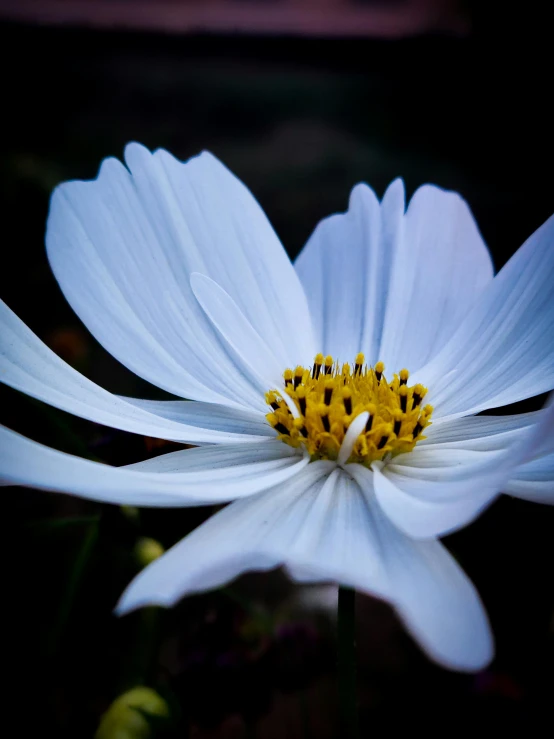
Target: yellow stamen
(329, 397)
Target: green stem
(348, 700)
(74, 583)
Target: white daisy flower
(334, 401)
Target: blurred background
(301, 99)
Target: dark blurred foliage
(300, 121)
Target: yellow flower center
(328, 397)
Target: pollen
(329, 396)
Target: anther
(404, 374)
(403, 392)
(328, 364)
(325, 422)
(318, 361)
(417, 396)
(382, 442)
(328, 392)
(360, 359)
(417, 429)
(347, 400)
(287, 374)
(301, 398)
(298, 376)
(396, 428)
(379, 369)
(369, 424)
(277, 425)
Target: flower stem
(348, 700)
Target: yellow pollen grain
(330, 396)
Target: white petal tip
(354, 430)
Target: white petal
(425, 518)
(318, 525)
(191, 477)
(445, 483)
(322, 527)
(235, 423)
(354, 430)
(441, 266)
(253, 354)
(123, 247)
(123, 275)
(436, 600)
(340, 540)
(345, 269)
(236, 539)
(534, 480)
(478, 433)
(390, 285)
(503, 351)
(234, 243)
(29, 366)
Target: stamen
(403, 392)
(347, 400)
(301, 397)
(348, 413)
(419, 392)
(318, 361)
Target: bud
(147, 550)
(127, 717)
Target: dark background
(299, 120)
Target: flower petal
(534, 480)
(187, 478)
(345, 269)
(236, 539)
(424, 518)
(393, 285)
(446, 481)
(503, 351)
(123, 247)
(436, 600)
(28, 365)
(322, 527)
(125, 276)
(234, 423)
(440, 267)
(318, 525)
(478, 433)
(254, 355)
(231, 241)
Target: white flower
(176, 271)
